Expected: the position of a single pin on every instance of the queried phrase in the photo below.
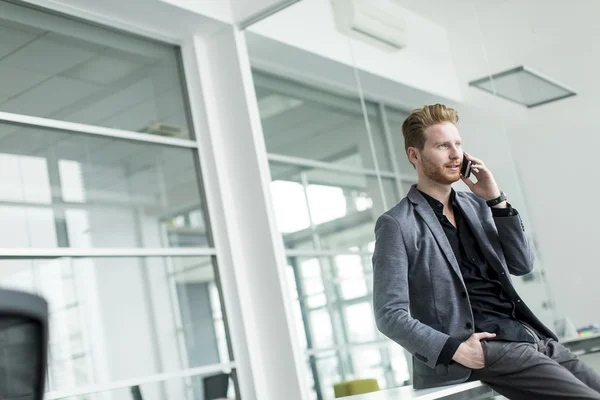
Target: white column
(250, 248)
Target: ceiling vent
(524, 86)
(160, 129)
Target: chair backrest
(136, 393)
(24, 344)
(216, 386)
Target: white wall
(557, 39)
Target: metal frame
(74, 127)
(253, 19)
(71, 252)
(305, 162)
(323, 253)
(127, 383)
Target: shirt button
(468, 325)
(518, 301)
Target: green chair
(358, 386)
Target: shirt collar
(437, 205)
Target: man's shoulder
(402, 210)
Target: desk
(583, 344)
(463, 391)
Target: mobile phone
(465, 169)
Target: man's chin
(446, 179)
(455, 178)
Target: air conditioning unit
(378, 22)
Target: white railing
(127, 383)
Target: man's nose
(455, 154)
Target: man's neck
(438, 191)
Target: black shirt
(493, 310)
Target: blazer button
(468, 325)
(464, 295)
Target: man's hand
(470, 352)
(486, 186)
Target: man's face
(441, 157)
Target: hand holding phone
(465, 169)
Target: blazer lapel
(424, 210)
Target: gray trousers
(544, 370)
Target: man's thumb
(484, 335)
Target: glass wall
(98, 160)
(63, 189)
(330, 182)
(331, 120)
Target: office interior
(193, 186)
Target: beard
(439, 174)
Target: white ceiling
(49, 74)
(448, 13)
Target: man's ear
(413, 155)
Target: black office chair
(215, 386)
(23, 345)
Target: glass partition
(114, 319)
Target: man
(446, 257)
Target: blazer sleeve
(515, 245)
(390, 296)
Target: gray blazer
(419, 295)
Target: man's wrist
(501, 198)
(456, 356)
(448, 351)
(496, 194)
(504, 204)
